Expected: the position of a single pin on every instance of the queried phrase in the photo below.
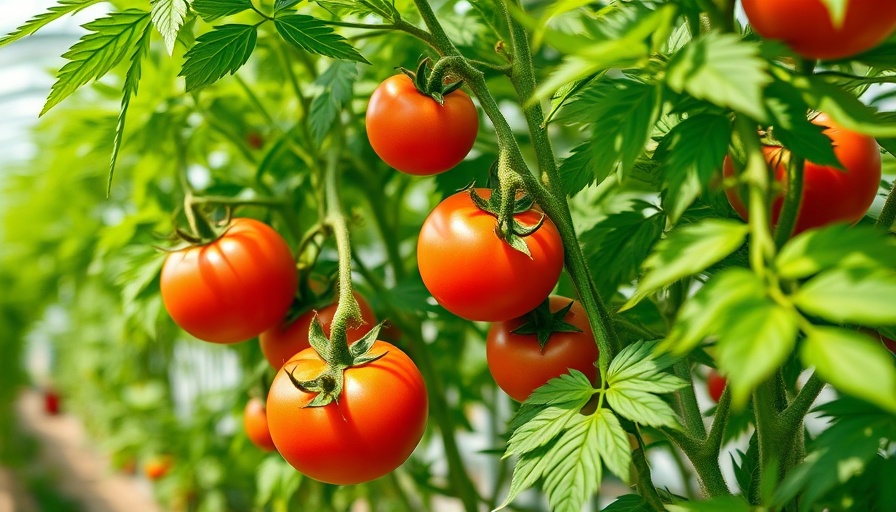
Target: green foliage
(223, 50)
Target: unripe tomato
(255, 422)
(411, 132)
(519, 365)
(829, 194)
(283, 341)
(371, 429)
(715, 385)
(806, 26)
(233, 288)
(478, 276)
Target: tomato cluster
(829, 194)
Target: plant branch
(792, 200)
(687, 400)
(888, 214)
(645, 482)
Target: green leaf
(755, 338)
(858, 295)
(853, 363)
(642, 407)
(168, 17)
(687, 251)
(211, 10)
(223, 50)
(726, 503)
(569, 387)
(792, 127)
(526, 472)
(700, 316)
(337, 83)
(574, 470)
(612, 444)
(638, 361)
(623, 113)
(723, 70)
(131, 84)
(110, 40)
(62, 8)
(628, 503)
(542, 428)
(843, 107)
(312, 35)
(690, 154)
(840, 245)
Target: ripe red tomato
(371, 430)
(158, 466)
(806, 26)
(231, 289)
(255, 422)
(476, 275)
(51, 401)
(715, 385)
(519, 365)
(829, 194)
(411, 132)
(283, 341)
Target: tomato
(411, 132)
(283, 341)
(233, 288)
(158, 466)
(476, 275)
(371, 429)
(806, 26)
(51, 401)
(715, 385)
(255, 422)
(519, 365)
(829, 194)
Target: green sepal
(542, 323)
(318, 340)
(517, 231)
(420, 78)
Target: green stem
(687, 401)
(236, 201)
(791, 420)
(792, 200)
(705, 461)
(768, 432)
(645, 483)
(719, 423)
(888, 214)
(762, 248)
(253, 98)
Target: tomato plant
(233, 288)
(475, 274)
(415, 134)
(255, 423)
(285, 340)
(808, 27)
(715, 385)
(829, 194)
(157, 466)
(369, 431)
(564, 349)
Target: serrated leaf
(312, 35)
(628, 503)
(845, 246)
(853, 363)
(793, 129)
(689, 157)
(528, 469)
(642, 407)
(168, 17)
(687, 251)
(843, 107)
(755, 338)
(612, 444)
(211, 10)
(574, 469)
(723, 70)
(337, 82)
(223, 50)
(700, 315)
(62, 8)
(640, 361)
(110, 40)
(285, 4)
(858, 295)
(569, 387)
(541, 429)
(131, 84)
(657, 384)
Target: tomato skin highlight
(715, 385)
(830, 195)
(806, 26)
(281, 342)
(476, 275)
(255, 423)
(413, 133)
(518, 364)
(231, 289)
(379, 419)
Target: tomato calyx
(338, 358)
(504, 208)
(432, 83)
(543, 323)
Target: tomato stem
(888, 214)
(792, 199)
